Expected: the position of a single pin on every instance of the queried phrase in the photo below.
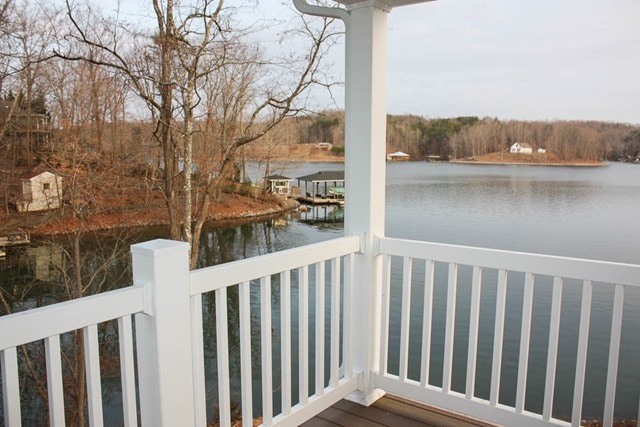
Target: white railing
(281, 326)
(291, 269)
(502, 273)
(47, 324)
(171, 320)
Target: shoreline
(221, 214)
(480, 162)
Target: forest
(465, 137)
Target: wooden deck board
(389, 411)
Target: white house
(324, 146)
(542, 150)
(40, 191)
(279, 184)
(521, 148)
(398, 156)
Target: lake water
(568, 211)
(584, 212)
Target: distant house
(40, 191)
(542, 150)
(521, 148)
(324, 146)
(398, 156)
(279, 184)
(21, 125)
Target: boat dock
(13, 239)
(320, 200)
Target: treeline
(460, 137)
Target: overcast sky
(512, 59)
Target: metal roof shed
(335, 177)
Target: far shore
(566, 164)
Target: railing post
(163, 334)
(365, 134)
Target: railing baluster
(222, 353)
(303, 334)
(244, 297)
(452, 284)
(320, 304)
(405, 317)
(92, 364)
(54, 381)
(581, 356)
(474, 322)
(525, 336)
(335, 321)
(197, 356)
(384, 314)
(285, 344)
(10, 387)
(127, 371)
(347, 314)
(552, 354)
(614, 351)
(265, 333)
(498, 333)
(426, 322)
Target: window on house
(46, 186)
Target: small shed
(40, 191)
(279, 184)
(522, 148)
(398, 156)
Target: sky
(510, 59)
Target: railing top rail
(39, 323)
(574, 268)
(220, 276)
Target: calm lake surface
(583, 212)
(569, 211)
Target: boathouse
(398, 156)
(323, 187)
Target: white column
(163, 334)
(365, 146)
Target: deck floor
(389, 411)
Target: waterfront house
(40, 191)
(367, 299)
(521, 148)
(398, 156)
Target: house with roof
(521, 148)
(398, 156)
(22, 125)
(40, 191)
(279, 184)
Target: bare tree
(198, 55)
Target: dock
(320, 200)
(13, 239)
